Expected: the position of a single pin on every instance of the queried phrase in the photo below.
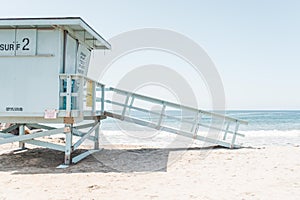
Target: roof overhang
(74, 25)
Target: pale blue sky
(255, 44)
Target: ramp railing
(162, 115)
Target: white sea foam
(272, 133)
(163, 139)
(270, 137)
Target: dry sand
(128, 172)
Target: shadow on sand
(43, 161)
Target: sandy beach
(153, 100)
(134, 172)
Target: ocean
(268, 120)
(276, 127)
(265, 128)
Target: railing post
(234, 134)
(195, 121)
(93, 96)
(131, 102)
(125, 104)
(80, 94)
(102, 99)
(226, 130)
(199, 117)
(68, 96)
(162, 113)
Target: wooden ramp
(205, 126)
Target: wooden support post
(96, 138)
(68, 148)
(22, 132)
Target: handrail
(177, 105)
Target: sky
(254, 44)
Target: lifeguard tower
(44, 63)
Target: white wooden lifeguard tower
(43, 65)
